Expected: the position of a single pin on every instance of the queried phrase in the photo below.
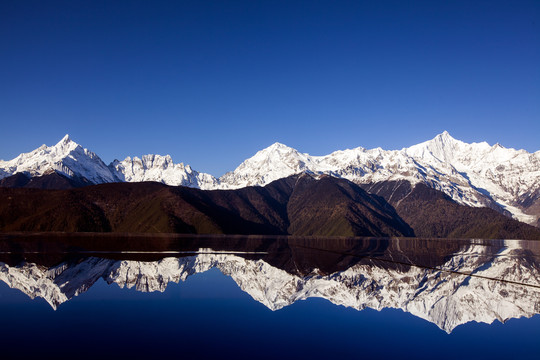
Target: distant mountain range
(476, 175)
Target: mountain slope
(153, 207)
(431, 213)
(66, 157)
(476, 174)
(341, 208)
(49, 180)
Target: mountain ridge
(477, 174)
(276, 209)
(303, 205)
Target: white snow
(474, 174)
(66, 157)
(474, 284)
(161, 169)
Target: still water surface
(251, 297)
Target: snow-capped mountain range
(474, 284)
(476, 174)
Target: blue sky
(211, 83)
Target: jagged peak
(65, 140)
(442, 147)
(148, 160)
(445, 138)
(274, 151)
(277, 146)
(353, 150)
(65, 145)
(153, 157)
(445, 134)
(441, 140)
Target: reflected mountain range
(448, 283)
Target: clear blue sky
(211, 83)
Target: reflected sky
(216, 308)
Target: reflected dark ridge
(448, 283)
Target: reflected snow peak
(446, 283)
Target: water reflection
(448, 283)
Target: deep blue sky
(211, 83)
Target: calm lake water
(87, 296)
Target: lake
(138, 296)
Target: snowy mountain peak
(442, 147)
(445, 135)
(65, 140)
(274, 148)
(161, 169)
(272, 163)
(65, 146)
(278, 145)
(446, 138)
(66, 157)
(475, 174)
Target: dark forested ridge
(431, 213)
(297, 205)
(52, 180)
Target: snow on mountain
(275, 162)
(471, 174)
(161, 169)
(447, 296)
(504, 175)
(472, 285)
(57, 284)
(474, 174)
(72, 160)
(66, 157)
